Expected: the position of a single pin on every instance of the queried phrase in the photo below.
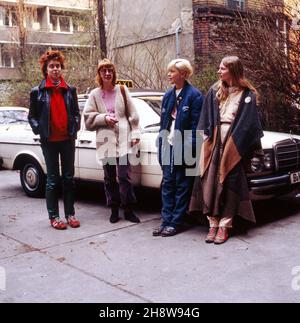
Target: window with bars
(236, 4)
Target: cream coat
(111, 142)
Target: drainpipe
(177, 31)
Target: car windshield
(148, 115)
(81, 103)
(154, 102)
(148, 107)
(13, 116)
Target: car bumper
(279, 184)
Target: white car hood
(270, 138)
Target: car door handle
(85, 141)
(36, 139)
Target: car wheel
(33, 179)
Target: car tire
(33, 179)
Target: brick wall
(208, 42)
(249, 4)
(208, 16)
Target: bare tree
(144, 64)
(22, 30)
(269, 46)
(101, 26)
(138, 58)
(80, 64)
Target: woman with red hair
(54, 115)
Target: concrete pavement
(121, 263)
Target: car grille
(287, 155)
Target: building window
(6, 59)
(31, 18)
(13, 18)
(61, 24)
(236, 4)
(8, 17)
(2, 16)
(78, 24)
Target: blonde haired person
(232, 132)
(182, 65)
(180, 113)
(116, 123)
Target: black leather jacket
(39, 111)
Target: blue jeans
(65, 151)
(176, 192)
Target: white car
(20, 149)
(278, 173)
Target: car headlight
(262, 163)
(257, 164)
(268, 161)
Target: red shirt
(58, 111)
